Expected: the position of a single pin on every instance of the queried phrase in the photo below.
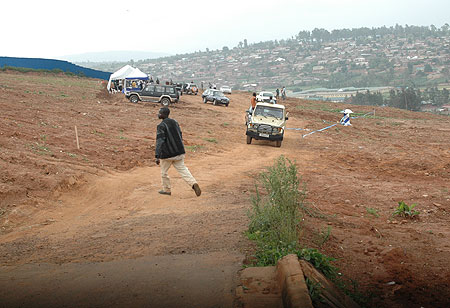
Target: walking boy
(170, 151)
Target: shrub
(406, 210)
(276, 216)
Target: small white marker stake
(76, 135)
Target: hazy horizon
(50, 29)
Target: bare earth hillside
(69, 215)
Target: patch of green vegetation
(225, 124)
(95, 132)
(40, 148)
(320, 262)
(275, 225)
(372, 211)
(275, 216)
(122, 137)
(314, 290)
(212, 140)
(323, 236)
(193, 148)
(405, 210)
(71, 154)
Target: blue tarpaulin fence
(49, 64)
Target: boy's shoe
(163, 192)
(197, 189)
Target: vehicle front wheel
(214, 102)
(249, 139)
(278, 143)
(165, 102)
(134, 99)
(226, 105)
(205, 100)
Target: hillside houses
(297, 64)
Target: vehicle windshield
(268, 94)
(269, 112)
(218, 93)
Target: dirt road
(87, 227)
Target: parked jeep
(191, 88)
(164, 94)
(266, 122)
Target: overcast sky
(50, 29)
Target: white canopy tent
(126, 72)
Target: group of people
(116, 86)
(283, 93)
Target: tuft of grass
(193, 148)
(405, 210)
(372, 211)
(95, 132)
(323, 236)
(212, 140)
(40, 148)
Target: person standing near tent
(170, 151)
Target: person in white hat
(346, 118)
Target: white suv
(264, 96)
(225, 89)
